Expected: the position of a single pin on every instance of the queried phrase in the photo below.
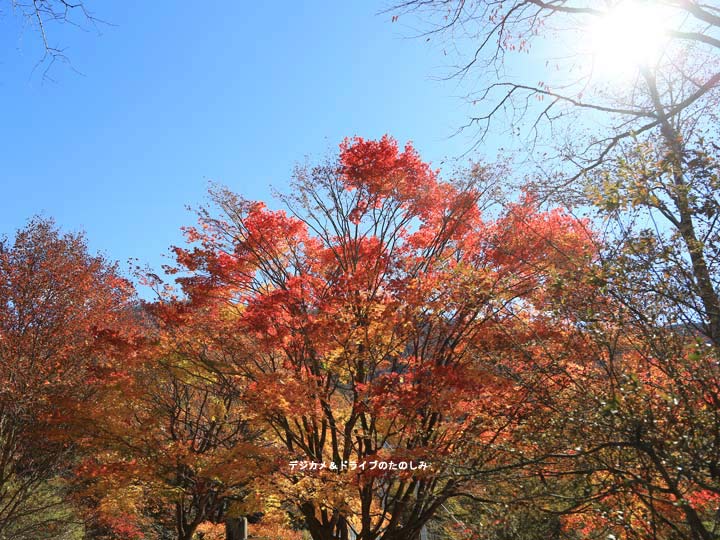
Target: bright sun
(629, 35)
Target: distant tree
(174, 445)
(60, 310)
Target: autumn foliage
(382, 320)
(385, 316)
(63, 317)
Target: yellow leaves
(249, 505)
(124, 500)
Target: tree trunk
(236, 529)
(702, 279)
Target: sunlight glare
(628, 36)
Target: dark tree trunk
(236, 529)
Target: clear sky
(175, 94)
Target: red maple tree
(380, 322)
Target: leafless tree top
(45, 17)
(677, 85)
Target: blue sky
(173, 95)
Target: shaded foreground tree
(661, 345)
(372, 326)
(60, 311)
(627, 446)
(647, 430)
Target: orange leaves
(66, 318)
(381, 169)
(383, 319)
(525, 236)
(56, 301)
(378, 170)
